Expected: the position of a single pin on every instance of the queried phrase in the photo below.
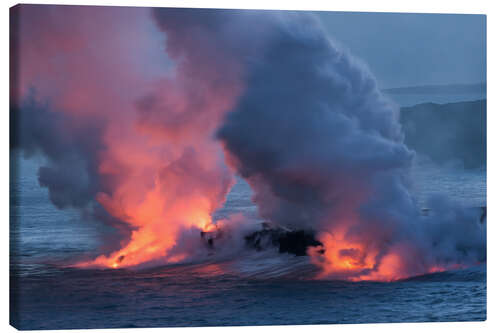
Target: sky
(414, 49)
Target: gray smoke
(68, 145)
(312, 131)
(319, 145)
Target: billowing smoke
(323, 149)
(144, 116)
(125, 125)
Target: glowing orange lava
(341, 258)
(146, 245)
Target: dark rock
(287, 241)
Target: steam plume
(322, 149)
(149, 138)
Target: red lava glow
(145, 245)
(345, 259)
(352, 261)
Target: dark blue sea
(269, 290)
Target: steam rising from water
(301, 120)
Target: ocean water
(194, 296)
(271, 289)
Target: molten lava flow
(144, 246)
(355, 261)
(365, 260)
